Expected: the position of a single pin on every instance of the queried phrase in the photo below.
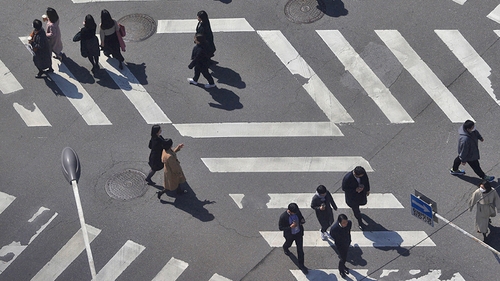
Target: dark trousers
(324, 225)
(343, 256)
(473, 164)
(356, 211)
(150, 175)
(204, 71)
(299, 242)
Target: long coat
(326, 215)
(468, 149)
(349, 185)
(486, 207)
(206, 30)
(156, 146)
(341, 235)
(41, 48)
(89, 44)
(172, 175)
(54, 35)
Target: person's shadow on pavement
(189, 203)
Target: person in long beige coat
(486, 200)
(173, 175)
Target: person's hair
(199, 37)
(359, 171)
(90, 22)
(469, 124)
(154, 130)
(321, 189)
(52, 14)
(167, 144)
(292, 207)
(37, 24)
(486, 184)
(107, 21)
(341, 218)
(204, 17)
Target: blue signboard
(421, 210)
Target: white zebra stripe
(412, 62)
(469, 58)
(375, 89)
(285, 164)
(5, 201)
(362, 274)
(376, 239)
(303, 200)
(495, 14)
(8, 83)
(120, 261)
(257, 129)
(171, 271)
(217, 277)
(32, 118)
(318, 91)
(217, 25)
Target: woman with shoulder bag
(110, 37)
(486, 200)
(89, 44)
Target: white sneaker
(191, 81)
(207, 86)
(324, 237)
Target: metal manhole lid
(303, 11)
(126, 185)
(138, 27)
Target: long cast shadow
(332, 8)
(396, 238)
(226, 99)
(189, 203)
(227, 76)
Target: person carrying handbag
(486, 200)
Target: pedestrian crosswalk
(26, 235)
(311, 82)
(362, 274)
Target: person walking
(468, 151)
(322, 202)
(41, 49)
(486, 200)
(89, 44)
(110, 37)
(54, 33)
(290, 223)
(173, 175)
(203, 27)
(156, 146)
(341, 235)
(356, 187)
(200, 60)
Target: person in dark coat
(356, 187)
(468, 151)
(322, 202)
(156, 146)
(290, 223)
(89, 44)
(341, 234)
(200, 61)
(204, 28)
(40, 46)
(110, 42)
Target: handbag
(122, 30)
(77, 37)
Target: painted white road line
(90, 1)
(75, 93)
(330, 275)
(171, 271)
(495, 14)
(66, 255)
(469, 58)
(375, 89)
(461, 2)
(362, 274)
(257, 129)
(5, 201)
(135, 92)
(285, 164)
(412, 62)
(120, 261)
(303, 200)
(8, 83)
(15, 248)
(376, 239)
(298, 66)
(217, 25)
(32, 118)
(217, 277)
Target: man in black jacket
(341, 234)
(322, 202)
(290, 223)
(356, 187)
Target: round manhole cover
(303, 11)
(126, 185)
(138, 27)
